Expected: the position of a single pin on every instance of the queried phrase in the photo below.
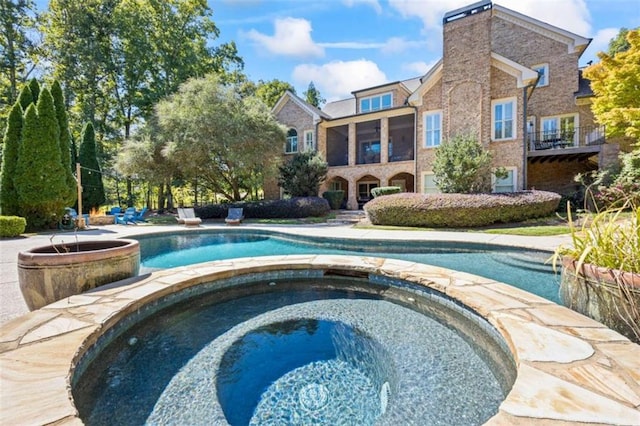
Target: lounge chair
(127, 217)
(139, 216)
(235, 216)
(188, 217)
(74, 215)
(114, 210)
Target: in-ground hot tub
(289, 347)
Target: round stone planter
(50, 273)
(609, 296)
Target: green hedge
(335, 198)
(12, 226)
(459, 210)
(385, 190)
(293, 208)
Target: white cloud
(356, 45)
(337, 79)
(292, 37)
(420, 68)
(392, 45)
(571, 15)
(373, 3)
(600, 43)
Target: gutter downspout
(524, 138)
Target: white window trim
(423, 175)
(381, 95)
(495, 102)
(545, 67)
(514, 187)
(424, 127)
(307, 146)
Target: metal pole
(80, 224)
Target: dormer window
(543, 72)
(376, 103)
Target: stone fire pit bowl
(50, 273)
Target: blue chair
(114, 210)
(234, 216)
(73, 214)
(139, 217)
(127, 217)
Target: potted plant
(601, 269)
(50, 273)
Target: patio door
(559, 128)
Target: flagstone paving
(570, 369)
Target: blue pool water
(520, 268)
(296, 354)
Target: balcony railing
(562, 139)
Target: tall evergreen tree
(25, 98)
(40, 178)
(35, 89)
(313, 96)
(65, 141)
(91, 176)
(8, 195)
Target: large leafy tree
(40, 178)
(90, 173)
(302, 175)
(271, 91)
(615, 80)
(227, 141)
(8, 195)
(17, 49)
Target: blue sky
(347, 45)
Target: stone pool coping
(570, 368)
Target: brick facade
(490, 55)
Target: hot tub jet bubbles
(313, 396)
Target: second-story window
(432, 129)
(543, 72)
(292, 142)
(503, 119)
(376, 103)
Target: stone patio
(570, 369)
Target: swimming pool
(524, 269)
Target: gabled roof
(426, 82)
(524, 76)
(341, 108)
(574, 42)
(288, 95)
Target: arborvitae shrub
(65, 142)
(92, 186)
(9, 196)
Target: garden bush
(460, 210)
(385, 190)
(292, 208)
(335, 198)
(12, 226)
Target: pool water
(524, 269)
(295, 353)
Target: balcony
(577, 143)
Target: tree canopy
(302, 175)
(615, 81)
(313, 96)
(228, 142)
(271, 91)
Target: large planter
(50, 273)
(609, 296)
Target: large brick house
(508, 79)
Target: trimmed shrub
(302, 175)
(12, 226)
(9, 195)
(385, 190)
(293, 208)
(460, 210)
(91, 176)
(334, 198)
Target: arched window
(292, 141)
